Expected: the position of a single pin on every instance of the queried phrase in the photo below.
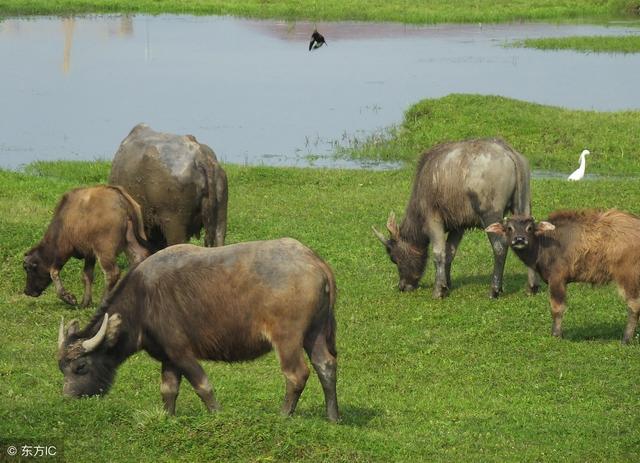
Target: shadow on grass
(594, 332)
(512, 284)
(357, 416)
(350, 415)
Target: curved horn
(91, 344)
(392, 226)
(379, 235)
(61, 333)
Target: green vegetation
(463, 379)
(551, 137)
(595, 44)
(418, 12)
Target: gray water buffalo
(590, 246)
(88, 223)
(458, 186)
(231, 304)
(177, 181)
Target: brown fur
(231, 303)
(591, 246)
(95, 223)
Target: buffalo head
(521, 231)
(409, 259)
(38, 277)
(87, 366)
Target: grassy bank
(464, 379)
(587, 44)
(419, 12)
(551, 137)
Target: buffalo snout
(32, 292)
(519, 242)
(404, 286)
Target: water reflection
(253, 91)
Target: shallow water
(72, 88)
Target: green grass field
(462, 379)
(587, 44)
(551, 137)
(419, 12)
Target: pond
(72, 88)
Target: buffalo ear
(113, 329)
(496, 228)
(73, 327)
(543, 227)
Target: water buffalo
(591, 246)
(177, 181)
(88, 223)
(458, 186)
(231, 303)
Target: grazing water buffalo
(458, 186)
(88, 223)
(591, 246)
(231, 304)
(177, 181)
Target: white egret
(579, 173)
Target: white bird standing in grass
(579, 173)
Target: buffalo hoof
(556, 333)
(440, 293)
(494, 293)
(531, 290)
(85, 304)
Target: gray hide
(458, 185)
(177, 181)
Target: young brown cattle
(88, 223)
(591, 246)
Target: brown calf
(88, 223)
(591, 246)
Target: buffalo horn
(61, 333)
(91, 344)
(392, 226)
(379, 235)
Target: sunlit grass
(550, 137)
(463, 379)
(419, 12)
(587, 44)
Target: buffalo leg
(557, 297)
(62, 293)
(87, 277)
(533, 281)
(325, 365)
(633, 307)
(222, 196)
(169, 387)
(439, 245)
(194, 373)
(174, 231)
(296, 372)
(111, 273)
(453, 241)
(499, 246)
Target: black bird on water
(317, 40)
